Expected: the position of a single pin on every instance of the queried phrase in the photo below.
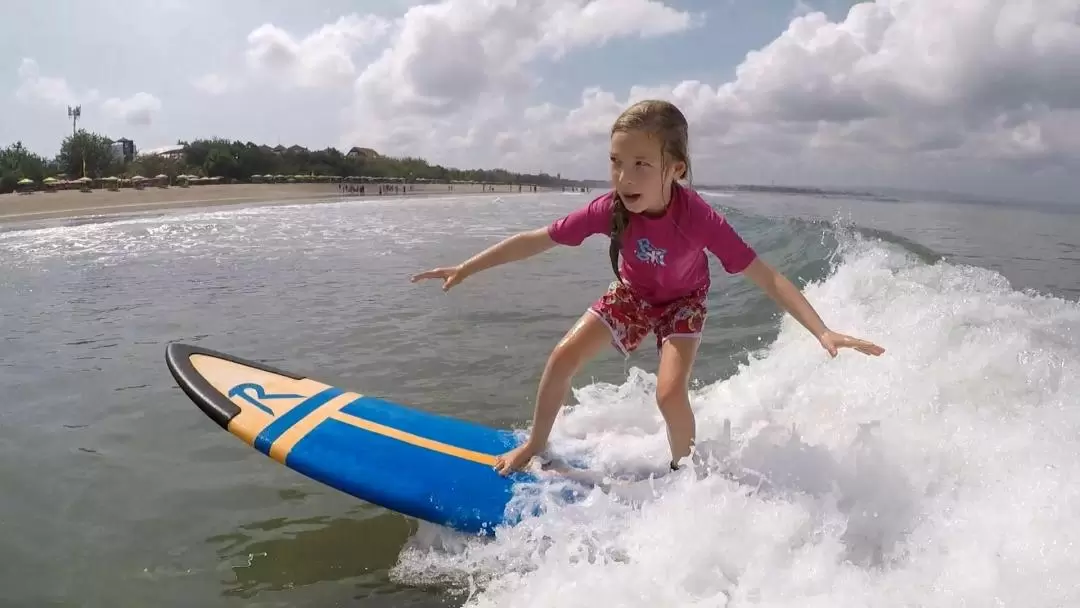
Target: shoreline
(72, 204)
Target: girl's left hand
(833, 341)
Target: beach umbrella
(161, 176)
(25, 181)
(49, 180)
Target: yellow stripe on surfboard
(284, 444)
(416, 440)
(251, 422)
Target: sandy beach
(73, 203)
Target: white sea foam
(941, 474)
(273, 229)
(711, 194)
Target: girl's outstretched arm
(511, 249)
(788, 297)
(517, 247)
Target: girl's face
(638, 174)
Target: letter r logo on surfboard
(245, 390)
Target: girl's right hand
(451, 276)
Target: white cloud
(579, 24)
(34, 87)
(323, 58)
(137, 110)
(212, 84)
(461, 62)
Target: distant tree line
(92, 155)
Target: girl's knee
(567, 358)
(671, 395)
(579, 345)
(564, 359)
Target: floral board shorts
(630, 318)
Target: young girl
(662, 231)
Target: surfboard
(424, 465)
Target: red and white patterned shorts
(630, 318)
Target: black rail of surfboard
(217, 406)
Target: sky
(970, 96)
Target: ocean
(940, 474)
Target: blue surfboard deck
(428, 466)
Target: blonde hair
(661, 120)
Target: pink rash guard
(663, 258)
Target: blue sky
(969, 95)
